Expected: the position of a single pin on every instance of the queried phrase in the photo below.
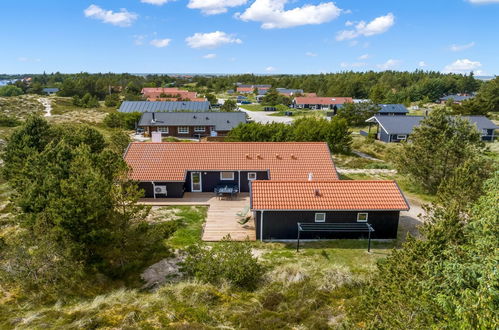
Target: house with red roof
(320, 103)
(288, 183)
(169, 94)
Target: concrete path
(221, 219)
(264, 117)
(366, 156)
(365, 170)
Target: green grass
(190, 226)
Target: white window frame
(359, 214)
(399, 137)
(199, 129)
(251, 176)
(485, 132)
(226, 179)
(320, 214)
(181, 130)
(163, 129)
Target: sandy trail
(48, 106)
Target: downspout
(261, 226)
(239, 180)
(153, 189)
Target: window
(226, 175)
(163, 129)
(199, 129)
(401, 137)
(485, 132)
(361, 217)
(320, 217)
(252, 176)
(183, 130)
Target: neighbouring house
(167, 106)
(169, 94)
(178, 167)
(399, 128)
(289, 91)
(191, 124)
(50, 91)
(251, 88)
(392, 110)
(456, 98)
(278, 207)
(320, 103)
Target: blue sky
(239, 36)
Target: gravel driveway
(264, 117)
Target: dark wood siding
(283, 224)
(212, 179)
(174, 189)
(173, 131)
(245, 183)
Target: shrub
(112, 100)
(10, 90)
(227, 261)
(122, 120)
(6, 121)
(87, 101)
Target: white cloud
(389, 65)
(376, 26)
(213, 7)
(270, 69)
(210, 56)
(156, 2)
(138, 39)
(422, 64)
(122, 18)
(458, 48)
(483, 2)
(462, 66)
(363, 57)
(160, 43)
(346, 65)
(272, 15)
(349, 23)
(311, 54)
(211, 40)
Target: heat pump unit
(160, 190)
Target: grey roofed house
(50, 91)
(289, 91)
(397, 128)
(163, 106)
(222, 121)
(456, 98)
(395, 109)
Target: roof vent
(293, 156)
(248, 156)
(277, 156)
(259, 156)
(228, 121)
(207, 118)
(310, 176)
(194, 116)
(317, 192)
(153, 120)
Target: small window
(226, 175)
(485, 131)
(183, 130)
(320, 217)
(361, 217)
(199, 129)
(401, 137)
(252, 176)
(163, 129)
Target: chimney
(317, 192)
(310, 176)
(153, 118)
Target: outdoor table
(226, 190)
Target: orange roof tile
(169, 161)
(322, 100)
(327, 195)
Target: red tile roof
(169, 161)
(322, 100)
(327, 195)
(154, 93)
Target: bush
(122, 120)
(87, 101)
(6, 121)
(112, 100)
(10, 90)
(227, 261)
